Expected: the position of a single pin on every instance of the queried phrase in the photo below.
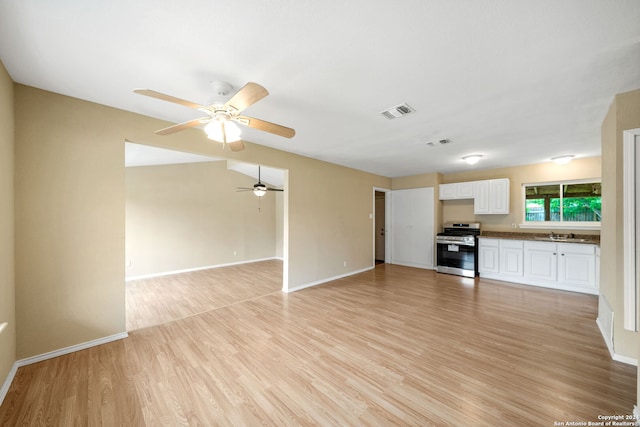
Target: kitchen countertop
(588, 239)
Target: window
(576, 203)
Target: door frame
(631, 169)
(387, 224)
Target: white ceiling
(517, 81)
(136, 155)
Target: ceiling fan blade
(244, 189)
(266, 126)
(182, 126)
(247, 96)
(236, 145)
(162, 96)
(274, 189)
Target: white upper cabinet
(491, 196)
(457, 190)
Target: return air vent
(397, 111)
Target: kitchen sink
(562, 239)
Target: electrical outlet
(3, 326)
(235, 253)
(345, 264)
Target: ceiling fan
(259, 189)
(221, 119)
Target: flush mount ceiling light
(563, 160)
(472, 159)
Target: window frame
(567, 225)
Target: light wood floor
(159, 300)
(392, 346)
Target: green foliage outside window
(564, 202)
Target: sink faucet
(551, 235)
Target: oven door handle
(454, 242)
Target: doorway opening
(193, 243)
(380, 229)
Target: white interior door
(412, 227)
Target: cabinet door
(481, 197)
(465, 190)
(412, 240)
(577, 265)
(511, 257)
(499, 196)
(448, 191)
(488, 256)
(540, 261)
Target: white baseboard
(7, 382)
(51, 355)
(189, 270)
(617, 357)
(329, 279)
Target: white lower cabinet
(488, 256)
(541, 261)
(577, 265)
(566, 266)
(500, 258)
(511, 257)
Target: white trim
(387, 222)
(521, 280)
(415, 265)
(563, 182)
(329, 279)
(561, 225)
(189, 270)
(7, 382)
(629, 227)
(617, 357)
(71, 349)
(55, 353)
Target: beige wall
(70, 215)
(69, 221)
(462, 210)
(188, 216)
(624, 114)
(7, 276)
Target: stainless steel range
(457, 249)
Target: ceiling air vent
(397, 111)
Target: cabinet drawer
(576, 248)
(511, 244)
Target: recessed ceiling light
(472, 159)
(563, 160)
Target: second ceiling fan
(220, 122)
(259, 189)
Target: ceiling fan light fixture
(472, 159)
(223, 131)
(259, 190)
(563, 160)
